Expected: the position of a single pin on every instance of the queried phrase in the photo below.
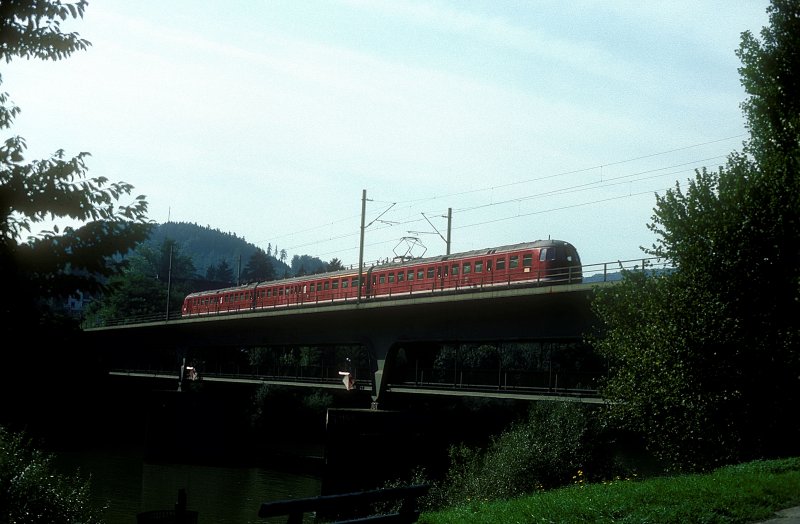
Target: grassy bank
(735, 494)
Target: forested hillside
(209, 247)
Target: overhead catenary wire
(413, 216)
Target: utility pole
(449, 227)
(169, 278)
(449, 224)
(361, 243)
(239, 270)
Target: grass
(742, 493)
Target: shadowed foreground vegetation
(32, 492)
(741, 493)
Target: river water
(140, 446)
(127, 484)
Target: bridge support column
(383, 351)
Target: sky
(269, 119)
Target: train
(542, 262)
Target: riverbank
(740, 494)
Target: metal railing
(590, 273)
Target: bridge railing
(613, 271)
(601, 272)
(512, 379)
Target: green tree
(31, 491)
(335, 265)
(62, 261)
(47, 266)
(221, 272)
(258, 268)
(141, 290)
(704, 360)
(166, 262)
(130, 295)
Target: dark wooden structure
(378, 506)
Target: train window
(455, 270)
(479, 266)
(501, 264)
(345, 282)
(527, 260)
(326, 285)
(382, 278)
(400, 276)
(421, 274)
(335, 284)
(391, 278)
(467, 268)
(410, 274)
(319, 286)
(430, 272)
(513, 261)
(354, 282)
(547, 253)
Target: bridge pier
(383, 350)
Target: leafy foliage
(543, 451)
(31, 492)
(208, 247)
(221, 273)
(33, 30)
(259, 268)
(704, 361)
(307, 265)
(63, 262)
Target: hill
(208, 247)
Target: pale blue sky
(268, 118)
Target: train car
(543, 262)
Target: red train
(540, 262)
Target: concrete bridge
(514, 313)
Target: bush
(31, 492)
(548, 449)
